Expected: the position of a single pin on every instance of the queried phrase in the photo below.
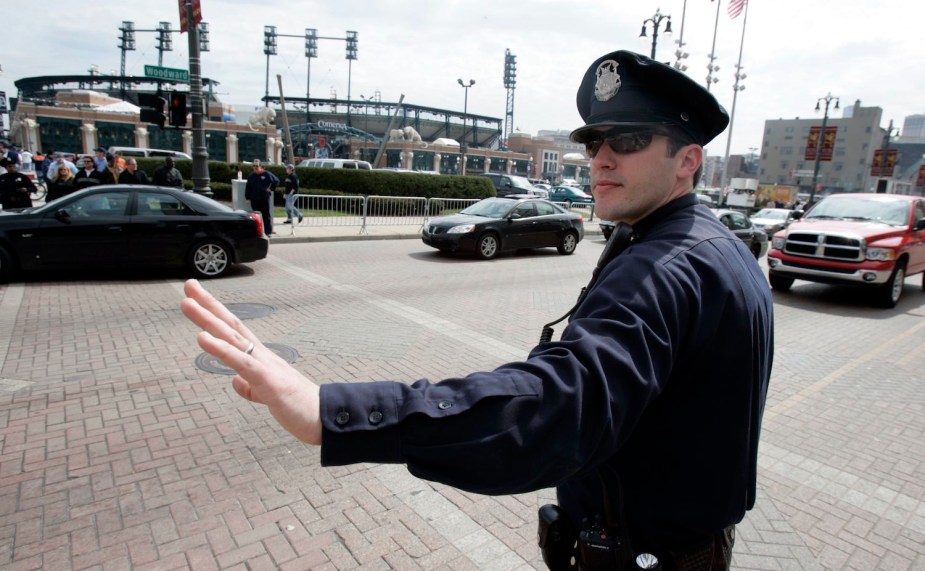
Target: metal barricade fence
(321, 210)
(581, 207)
(394, 211)
(364, 211)
(446, 206)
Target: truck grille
(826, 246)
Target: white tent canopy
(120, 107)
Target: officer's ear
(689, 159)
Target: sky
(794, 52)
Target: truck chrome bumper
(860, 276)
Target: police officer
(15, 188)
(645, 414)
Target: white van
(336, 164)
(149, 153)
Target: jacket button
(444, 405)
(375, 417)
(342, 418)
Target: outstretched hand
(262, 376)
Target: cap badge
(608, 80)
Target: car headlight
(778, 243)
(881, 254)
(462, 229)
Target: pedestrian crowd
(20, 168)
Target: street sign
(168, 73)
(802, 173)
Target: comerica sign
(168, 73)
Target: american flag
(735, 7)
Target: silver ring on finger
(250, 348)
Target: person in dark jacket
(259, 191)
(168, 175)
(645, 414)
(131, 174)
(88, 175)
(61, 183)
(15, 188)
(292, 192)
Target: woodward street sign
(167, 73)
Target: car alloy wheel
(568, 243)
(488, 246)
(209, 259)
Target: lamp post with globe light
(462, 143)
(656, 21)
(829, 98)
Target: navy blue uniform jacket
(659, 379)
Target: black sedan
(122, 226)
(741, 226)
(515, 222)
(737, 222)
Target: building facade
(858, 135)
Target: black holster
(556, 538)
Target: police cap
(627, 91)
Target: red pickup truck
(869, 240)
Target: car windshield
(771, 213)
(490, 208)
(874, 209)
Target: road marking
(477, 544)
(488, 345)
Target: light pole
(829, 98)
(462, 144)
(656, 22)
(679, 53)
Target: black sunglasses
(621, 143)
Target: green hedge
(339, 181)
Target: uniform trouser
(263, 207)
(291, 210)
(715, 554)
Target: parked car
(737, 222)
(149, 153)
(336, 164)
(506, 184)
(130, 226)
(569, 195)
(860, 239)
(771, 220)
(742, 227)
(495, 225)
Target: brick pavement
(117, 453)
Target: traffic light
(153, 108)
(178, 109)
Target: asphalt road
(117, 451)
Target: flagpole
(735, 92)
(710, 67)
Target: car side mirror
(920, 224)
(797, 214)
(63, 216)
